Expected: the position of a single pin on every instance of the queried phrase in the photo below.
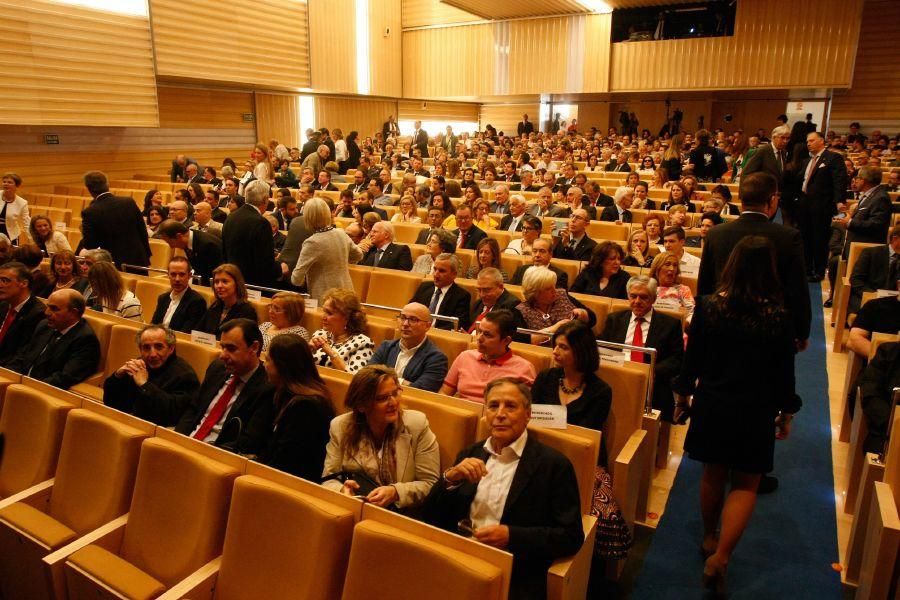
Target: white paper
(203, 338)
(60, 226)
(254, 295)
(612, 357)
(551, 416)
(886, 293)
(311, 303)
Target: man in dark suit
(468, 234)
(491, 296)
(390, 128)
(449, 142)
(525, 127)
(566, 180)
(247, 239)
(620, 165)
(379, 249)
(657, 330)
(500, 205)
(540, 257)
(518, 494)
(285, 212)
(182, 308)
(576, 200)
(877, 268)
(323, 182)
(203, 250)
(114, 224)
(759, 198)
(771, 159)
(573, 242)
(434, 220)
(823, 188)
(514, 221)
(20, 310)
(233, 408)
(509, 172)
(620, 211)
(176, 174)
(420, 139)
(871, 218)
(156, 387)
(192, 174)
(64, 350)
(311, 145)
(418, 362)
(443, 296)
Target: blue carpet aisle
(791, 542)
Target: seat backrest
(103, 330)
(539, 356)
(389, 287)
(599, 305)
(582, 447)
(122, 347)
(283, 544)
(381, 328)
(454, 428)
(855, 249)
(406, 233)
(160, 253)
(629, 391)
(360, 278)
(451, 343)
(337, 382)
(600, 230)
(196, 355)
(178, 511)
(387, 562)
(32, 425)
(148, 291)
(95, 473)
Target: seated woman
(708, 220)
(155, 217)
(638, 253)
(379, 450)
(546, 308)
(63, 275)
(408, 212)
(109, 294)
(678, 195)
(603, 275)
(230, 302)
(573, 383)
(692, 186)
(439, 242)
(152, 198)
(285, 314)
(483, 219)
(341, 343)
(678, 216)
(671, 293)
(531, 230)
(723, 193)
(653, 226)
(660, 179)
(487, 254)
(48, 240)
(303, 410)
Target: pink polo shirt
(472, 371)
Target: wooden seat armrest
(567, 578)
(37, 496)
(626, 475)
(199, 585)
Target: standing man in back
(114, 224)
(247, 238)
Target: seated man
(381, 251)
(156, 387)
(63, 350)
(203, 250)
(434, 220)
(643, 326)
(514, 492)
(474, 369)
(204, 221)
(875, 269)
(379, 198)
(233, 408)
(540, 257)
(575, 200)
(876, 384)
(620, 210)
(500, 205)
(513, 221)
(879, 315)
(278, 238)
(573, 242)
(673, 240)
(20, 310)
(182, 308)
(442, 295)
(491, 296)
(415, 358)
(468, 234)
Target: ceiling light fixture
(597, 6)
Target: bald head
(178, 210)
(202, 213)
(64, 308)
(415, 321)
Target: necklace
(566, 390)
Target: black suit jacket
(188, 314)
(178, 171)
(248, 421)
(721, 240)
(526, 127)
(62, 362)
(212, 318)
(506, 301)
(764, 160)
(423, 236)
(562, 278)
(162, 399)
(507, 220)
(666, 336)
(420, 141)
(21, 330)
(115, 224)
(205, 255)
(542, 511)
(475, 236)
(871, 221)
(456, 303)
(395, 256)
(581, 251)
(611, 214)
(247, 242)
(871, 272)
(827, 183)
(297, 234)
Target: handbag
(366, 483)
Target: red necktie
(462, 239)
(217, 411)
(10, 317)
(478, 319)
(638, 340)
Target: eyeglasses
(395, 393)
(409, 319)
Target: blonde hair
(536, 279)
(316, 214)
(660, 260)
(347, 303)
(293, 304)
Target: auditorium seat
(120, 347)
(503, 237)
(599, 305)
(147, 292)
(842, 294)
(451, 343)
(283, 541)
(32, 424)
(176, 524)
(602, 230)
(160, 253)
(454, 427)
(360, 278)
(394, 288)
(92, 485)
(406, 233)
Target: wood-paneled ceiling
(513, 9)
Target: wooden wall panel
(332, 46)
(506, 117)
(430, 72)
(539, 54)
(258, 42)
(385, 49)
(353, 114)
(68, 65)
(418, 13)
(278, 118)
(806, 43)
(874, 97)
(435, 111)
(597, 30)
(593, 114)
(191, 108)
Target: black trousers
(814, 220)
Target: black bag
(366, 483)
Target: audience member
(671, 294)
(286, 312)
(342, 343)
(439, 242)
(109, 294)
(876, 269)
(620, 211)
(514, 220)
(13, 208)
(871, 217)
(203, 250)
(487, 255)
(673, 241)
(879, 315)
(443, 296)
(434, 220)
(531, 229)
(877, 383)
(547, 307)
(468, 234)
(204, 220)
(540, 257)
(247, 239)
(638, 250)
(573, 242)
(379, 249)
(113, 223)
(603, 275)
(491, 296)
(823, 188)
(31, 256)
(416, 360)
(230, 300)
(48, 240)
(181, 308)
(21, 311)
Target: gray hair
(642, 281)
(170, 335)
(386, 227)
(316, 214)
(98, 255)
(501, 186)
(257, 192)
(520, 385)
(575, 190)
(781, 130)
(493, 274)
(535, 279)
(871, 175)
(450, 258)
(621, 192)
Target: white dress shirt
(174, 301)
(689, 265)
(404, 357)
(645, 329)
(490, 498)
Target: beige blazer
(418, 458)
